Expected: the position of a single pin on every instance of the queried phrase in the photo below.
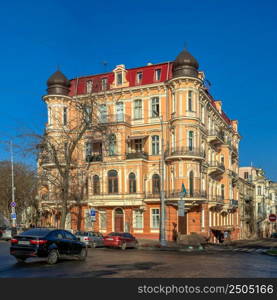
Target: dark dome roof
(185, 65)
(58, 84)
(58, 78)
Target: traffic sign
(13, 204)
(13, 215)
(272, 217)
(92, 213)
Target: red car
(120, 240)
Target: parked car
(6, 233)
(120, 240)
(273, 235)
(91, 238)
(47, 242)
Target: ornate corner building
(157, 109)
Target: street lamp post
(162, 193)
(13, 189)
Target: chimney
(218, 105)
(235, 125)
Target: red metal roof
(148, 77)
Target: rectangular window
(139, 78)
(138, 219)
(119, 78)
(65, 116)
(190, 101)
(155, 104)
(89, 86)
(102, 220)
(137, 109)
(202, 114)
(155, 145)
(88, 150)
(104, 83)
(103, 113)
(88, 114)
(158, 74)
(173, 103)
(155, 218)
(246, 175)
(138, 145)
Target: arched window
(132, 183)
(190, 140)
(191, 184)
(112, 182)
(155, 145)
(156, 184)
(112, 144)
(96, 185)
(222, 191)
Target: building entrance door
(118, 220)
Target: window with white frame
(155, 145)
(89, 86)
(88, 151)
(138, 219)
(137, 109)
(259, 190)
(103, 113)
(88, 114)
(155, 218)
(202, 114)
(102, 220)
(190, 140)
(190, 101)
(139, 78)
(65, 118)
(158, 73)
(173, 102)
(155, 107)
(119, 78)
(104, 83)
(119, 111)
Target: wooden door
(118, 220)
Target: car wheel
(123, 246)
(52, 257)
(20, 260)
(83, 254)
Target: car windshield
(36, 232)
(115, 234)
(81, 233)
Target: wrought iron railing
(216, 164)
(184, 151)
(114, 118)
(139, 154)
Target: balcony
(216, 199)
(190, 194)
(215, 137)
(184, 152)
(94, 158)
(113, 119)
(137, 155)
(234, 176)
(234, 152)
(216, 168)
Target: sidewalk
(147, 244)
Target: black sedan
(45, 242)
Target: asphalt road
(133, 263)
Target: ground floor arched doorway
(118, 220)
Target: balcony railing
(94, 158)
(216, 198)
(176, 194)
(117, 118)
(184, 151)
(216, 136)
(135, 155)
(216, 168)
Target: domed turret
(58, 84)
(185, 65)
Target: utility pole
(13, 204)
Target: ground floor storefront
(215, 224)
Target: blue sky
(234, 42)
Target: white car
(6, 234)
